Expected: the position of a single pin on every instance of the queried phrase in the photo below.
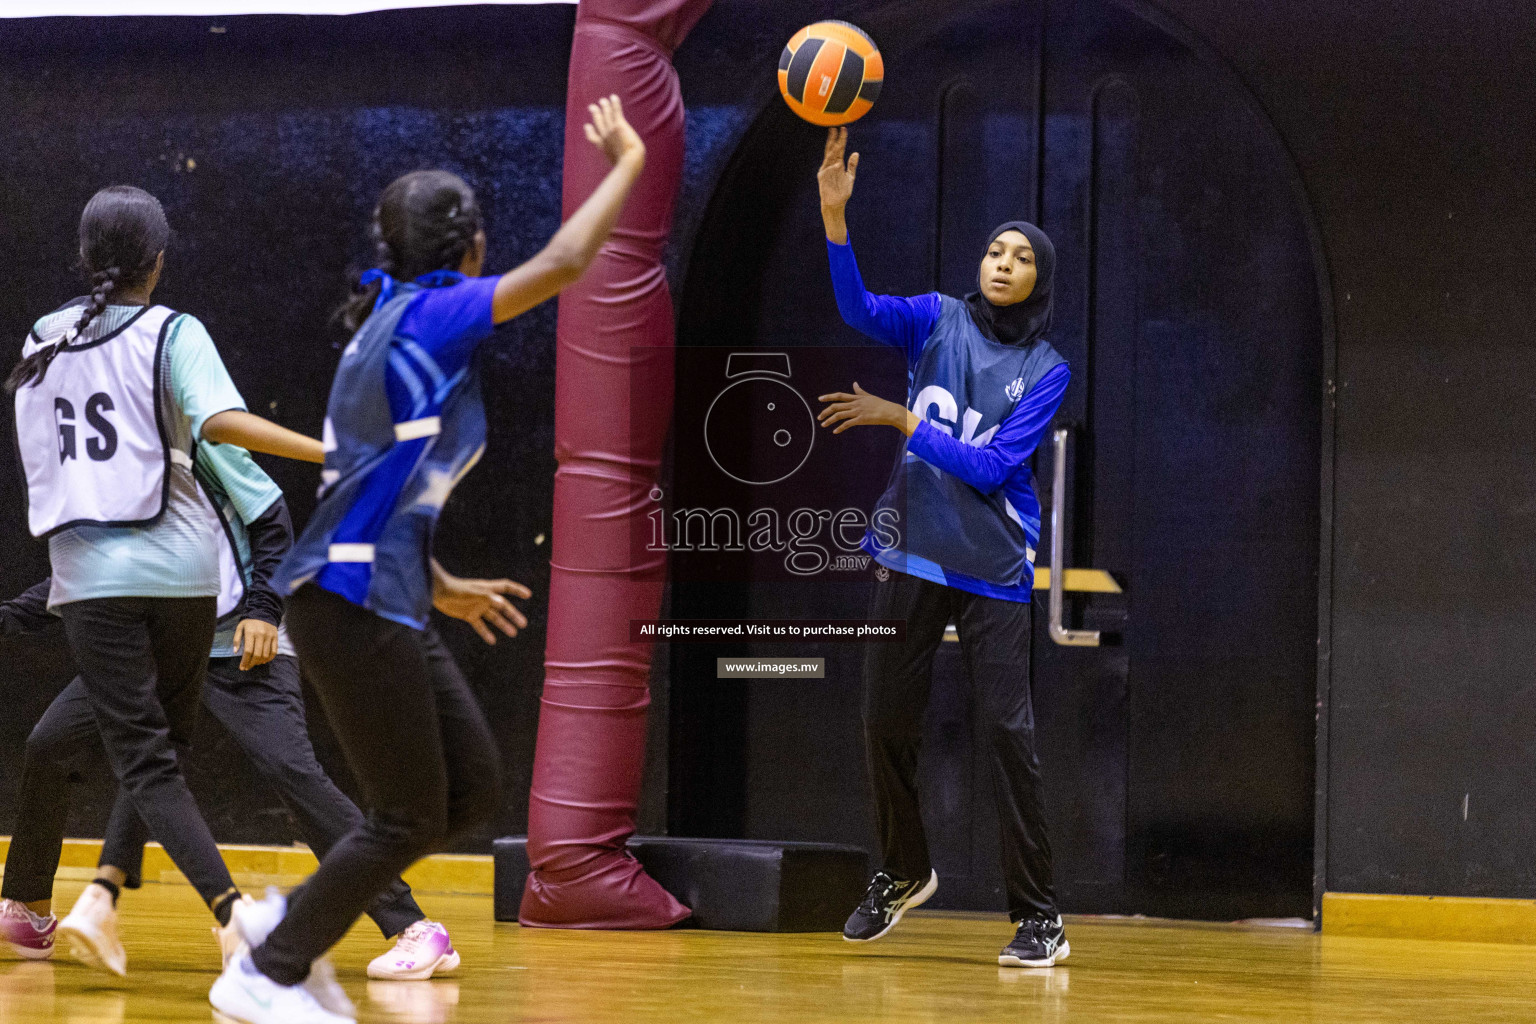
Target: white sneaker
(420, 951)
(322, 984)
(254, 920)
(91, 931)
(228, 936)
(244, 994)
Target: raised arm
(575, 245)
(904, 322)
(834, 180)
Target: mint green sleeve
(199, 381)
(246, 484)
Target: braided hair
(123, 231)
(425, 221)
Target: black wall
(1410, 125)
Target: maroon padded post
(613, 339)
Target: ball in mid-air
(830, 73)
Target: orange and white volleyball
(831, 73)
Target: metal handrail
(1059, 633)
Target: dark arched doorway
(1180, 758)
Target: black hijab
(1023, 322)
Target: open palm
(610, 132)
(835, 178)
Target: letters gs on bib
(90, 434)
(100, 446)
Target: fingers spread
(508, 587)
(827, 419)
(853, 421)
(502, 623)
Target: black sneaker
(884, 902)
(1040, 942)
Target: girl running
(112, 393)
(983, 388)
(405, 423)
(253, 689)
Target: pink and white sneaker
(421, 951)
(26, 933)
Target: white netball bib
(89, 434)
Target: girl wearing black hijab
(955, 535)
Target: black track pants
(263, 710)
(417, 743)
(141, 664)
(994, 642)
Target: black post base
(738, 885)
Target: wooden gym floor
(934, 967)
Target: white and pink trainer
(420, 951)
(27, 934)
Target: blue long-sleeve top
(1001, 463)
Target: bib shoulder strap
(1048, 356)
(157, 319)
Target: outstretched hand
(835, 178)
(609, 132)
(573, 248)
(862, 409)
(481, 603)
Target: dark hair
(425, 221)
(123, 231)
